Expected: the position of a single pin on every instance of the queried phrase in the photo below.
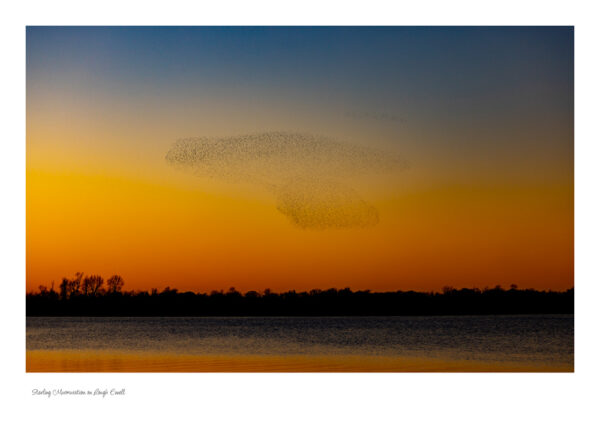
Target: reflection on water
(494, 343)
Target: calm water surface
(542, 340)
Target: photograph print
(299, 199)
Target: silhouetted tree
(85, 286)
(69, 288)
(63, 288)
(115, 284)
(74, 285)
(233, 292)
(93, 284)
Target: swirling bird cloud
(305, 172)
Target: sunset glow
(486, 197)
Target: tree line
(92, 296)
(87, 286)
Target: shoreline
(46, 361)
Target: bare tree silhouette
(115, 284)
(93, 283)
(70, 288)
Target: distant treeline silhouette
(90, 296)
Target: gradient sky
(483, 115)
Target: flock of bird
(306, 173)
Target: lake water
(458, 343)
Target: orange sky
(157, 234)
(487, 200)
